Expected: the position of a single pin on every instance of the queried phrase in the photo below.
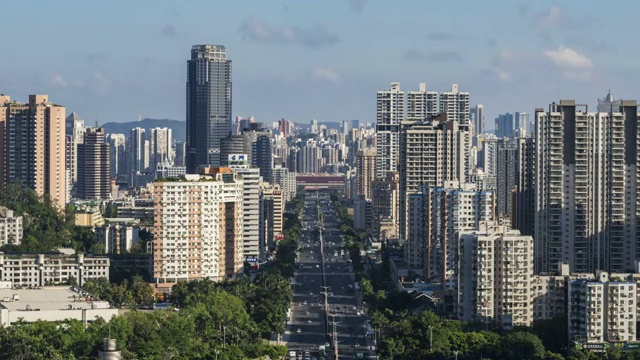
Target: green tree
(521, 345)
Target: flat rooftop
(47, 298)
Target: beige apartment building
(385, 194)
(495, 276)
(431, 152)
(198, 227)
(33, 146)
(365, 171)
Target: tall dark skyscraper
(94, 180)
(208, 104)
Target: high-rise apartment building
(495, 276)
(431, 152)
(117, 154)
(33, 146)
(263, 157)
(365, 171)
(251, 180)
(421, 104)
(160, 144)
(477, 121)
(456, 104)
(512, 124)
(389, 114)
(74, 127)
(198, 227)
(523, 197)
(286, 180)
(436, 217)
(507, 175)
(586, 186)
(385, 206)
(208, 104)
(362, 213)
(603, 310)
(138, 150)
(94, 180)
(180, 154)
(272, 214)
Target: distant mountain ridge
(178, 128)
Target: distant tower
(208, 104)
(606, 103)
(109, 351)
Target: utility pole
(326, 306)
(335, 337)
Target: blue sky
(305, 59)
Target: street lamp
(217, 352)
(455, 352)
(224, 334)
(430, 338)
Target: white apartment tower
(456, 104)
(251, 203)
(198, 227)
(437, 216)
(586, 188)
(160, 145)
(602, 310)
(117, 152)
(138, 150)
(389, 114)
(421, 104)
(495, 276)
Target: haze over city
(303, 60)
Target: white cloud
(574, 66)
(568, 58)
(504, 76)
(101, 82)
(324, 74)
(59, 81)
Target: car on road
(299, 330)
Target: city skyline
(551, 52)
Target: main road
(326, 298)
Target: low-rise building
(142, 213)
(10, 227)
(37, 270)
(51, 304)
(118, 235)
